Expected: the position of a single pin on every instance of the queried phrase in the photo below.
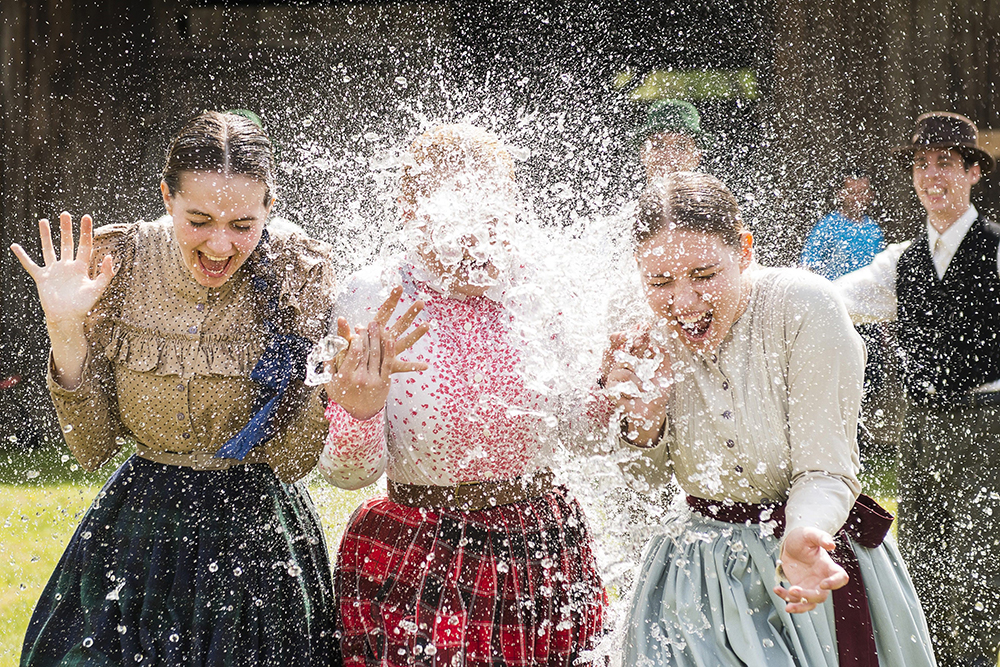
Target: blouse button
(193, 330)
(200, 307)
(180, 387)
(739, 468)
(467, 326)
(180, 416)
(730, 443)
(725, 385)
(715, 358)
(478, 377)
(186, 436)
(728, 414)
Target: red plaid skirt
(514, 585)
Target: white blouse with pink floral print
(469, 417)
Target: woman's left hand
(362, 376)
(809, 569)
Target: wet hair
(227, 143)
(690, 201)
(449, 150)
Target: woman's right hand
(65, 288)
(362, 374)
(643, 400)
(67, 292)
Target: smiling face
(695, 282)
(943, 185)
(218, 221)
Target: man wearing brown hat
(943, 288)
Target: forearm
(69, 352)
(88, 413)
(355, 453)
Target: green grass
(43, 497)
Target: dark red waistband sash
(867, 524)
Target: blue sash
(283, 360)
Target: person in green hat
(671, 139)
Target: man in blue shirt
(847, 238)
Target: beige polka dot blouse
(170, 360)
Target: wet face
(856, 195)
(666, 152)
(943, 184)
(456, 231)
(695, 282)
(218, 221)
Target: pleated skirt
(512, 585)
(703, 598)
(172, 566)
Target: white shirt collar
(952, 237)
(949, 240)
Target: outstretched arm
(67, 293)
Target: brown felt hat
(941, 129)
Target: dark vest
(949, 328)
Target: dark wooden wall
(850, 77)
(90, 92)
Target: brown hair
(227, 143)
(688, 200)
(452, 149)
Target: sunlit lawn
(43, 497)
(41, 502)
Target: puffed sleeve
(88, 413)
(825, 370)
(306, 296)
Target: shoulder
(304, 270)
(797, 292)
(126, 242)
(991, 229)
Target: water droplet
(175, 637)
(68, 428)
(294, 570)
(88, 642)
(86, 535)
(138, 657)
(213, 567)
(121, 629)
(980, 606)
(767, 643)
(400, 81)
(238, 571)
(64, 458)
(430, 649)
(32, 474)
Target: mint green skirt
(703, 598)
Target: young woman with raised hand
(188, 336)
(475, 557)
(753, 404)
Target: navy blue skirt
(176, 566)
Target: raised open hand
(809, 569)
(65, 288)
(67, 292)
(361, 375)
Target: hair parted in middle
(449, 150)
(691, 201)
(227, 143)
